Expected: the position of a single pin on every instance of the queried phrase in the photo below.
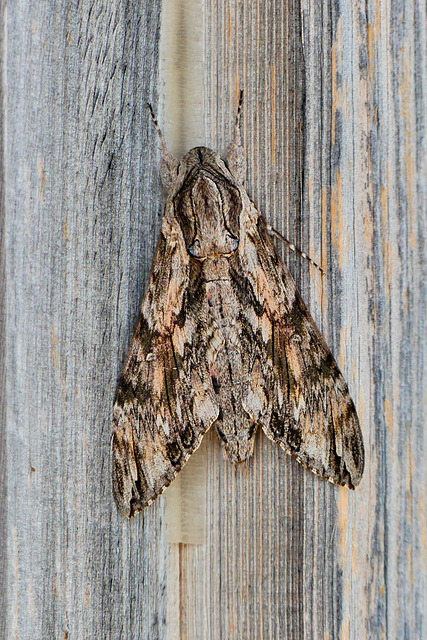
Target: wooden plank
(395, 257)
(286, 555)
(3, 434)
(83, 208)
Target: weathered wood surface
(3, 437)
(286, 555)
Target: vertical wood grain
(3, 427)
(258, 534)
(83, 206)
(334, 121)
(396, 73)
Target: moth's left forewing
(164, 402)
(312, 415)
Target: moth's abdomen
(232, 360)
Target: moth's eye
(232, 242)
(296, 338)
(195, 248)
(221, 432)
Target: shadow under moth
(223, 338)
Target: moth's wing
(311, 413)
(164, 400)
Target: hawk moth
(223, 338)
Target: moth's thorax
(213, 235)
(207, 205)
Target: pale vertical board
(287, 555)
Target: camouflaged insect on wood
(224, 339)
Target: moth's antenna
(238, 121)
(235, 152)
(239, 108)
(169, 163)
(294, 248)
(159, 131)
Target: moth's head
(175, 173)
(201, 158)
(207, 201)
(205, 195)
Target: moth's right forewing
(164, 400)
(311, 413)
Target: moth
(224, 340)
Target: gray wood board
(286, 554)
(83, 208)
(3, 436)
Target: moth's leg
(168, 162)
(294, 248)
(236, 153)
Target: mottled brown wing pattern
(312, 415)
(224, 337)
(163, 403)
